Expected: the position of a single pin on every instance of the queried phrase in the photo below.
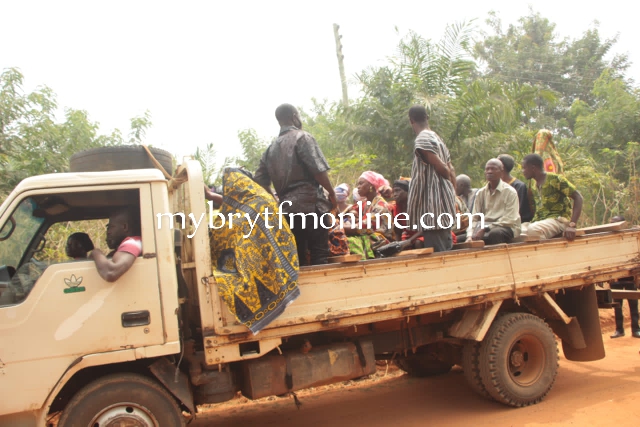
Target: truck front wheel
(518, 359)
(122, 399)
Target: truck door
(54, 310)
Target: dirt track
(599, 393)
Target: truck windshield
(18, 232)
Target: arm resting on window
(112, 269)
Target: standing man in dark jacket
(526, 214)
(297, 168)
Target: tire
(518, 359)
(119, 157)
(423, 364)
(129, 398)
(471, 368)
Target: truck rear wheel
(471, 368)
(122, 399)
(518, 359)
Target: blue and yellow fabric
(257, 276)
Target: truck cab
(58, 316)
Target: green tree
(33, 142)
(207, 158)
(612, 120)
(339, 140)
(432, 69)
(252, 149)
(139, 127)
(564, 70)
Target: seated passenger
(338, 243)
(387, 194)
(78, 245)
(498, 202)
(365, 237)
(460, 233)
(464, 190)
(552, 194)
(401, 195)
(342, 193)
(123, 236)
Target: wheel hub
(526, 360)
(517, 358)
(124, 415)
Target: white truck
(146, 350)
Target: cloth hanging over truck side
(257, 276)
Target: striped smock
(429, 192)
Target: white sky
(206, 69)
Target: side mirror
(7, 229)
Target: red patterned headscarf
(375, 179)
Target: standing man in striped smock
(431, 204)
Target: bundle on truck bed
(160, 341)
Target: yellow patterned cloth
(257, 276)
(543, 145)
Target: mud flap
(178, 385)
(583, 305)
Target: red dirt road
(602, 393)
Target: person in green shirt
(552, 194)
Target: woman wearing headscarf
(342, 193)
(543, 145)
(367, 235)
(338, 243)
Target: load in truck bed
(350, 294)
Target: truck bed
(338, 295)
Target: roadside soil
(601, 393)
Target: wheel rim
(124, 415)
(526, 360)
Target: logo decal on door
(73, 285)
